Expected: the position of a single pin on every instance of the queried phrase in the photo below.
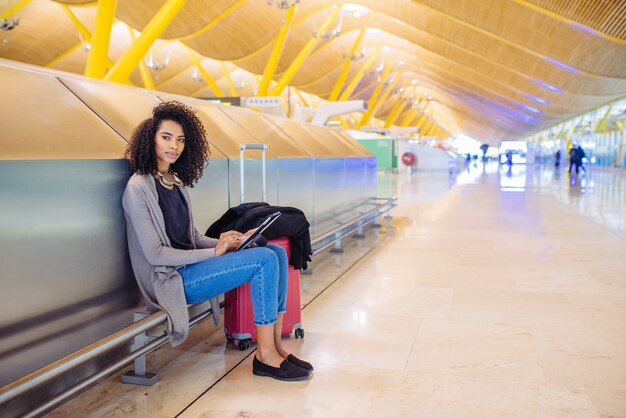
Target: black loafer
(300, 363)
(287, 371)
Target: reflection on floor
(498, 293)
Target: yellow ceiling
(492, 69)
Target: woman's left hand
(228, 241)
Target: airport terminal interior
(460, 164)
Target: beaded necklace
(168, 184)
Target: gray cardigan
(154, 260)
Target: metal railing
(356, 223)
(56, 369)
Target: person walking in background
(509, 158)
(580, 158)
(573, 159)
(557, 158)
(576, 156)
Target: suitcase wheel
(299, 333)
(243, 344)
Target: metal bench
(148, 334)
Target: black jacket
(292, 224)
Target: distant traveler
(576, 155)
(580, 154)
(557, 158)
(174, 265)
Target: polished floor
(496, 293)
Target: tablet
(266, 223)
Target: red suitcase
(238, 315)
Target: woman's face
(169, 144)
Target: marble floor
(495, 293)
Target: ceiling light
(329, 34)
(586, 28)
(537, 99)
(546, 85)
(356, 56)
(9, 23)
(562, 65)
(196, 76)
(532, 109)
(282, 4)
(355, 10)
(156, 65)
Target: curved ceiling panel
(544, 33)
(244, 31)
(605, 16)
(495, 68)
(192, 17)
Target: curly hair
(141, 148)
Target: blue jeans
(266, 268)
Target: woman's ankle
(283, 353)
(270, 358)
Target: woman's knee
(265, 256)
(280, 252)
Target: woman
(174, 265)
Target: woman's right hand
(228, 241)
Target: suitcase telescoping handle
(242, 149)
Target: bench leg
(337, 248)
(140, 376)
(388, 219)
(359, 232)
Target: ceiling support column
(127, 63)
(393, 116)
(424, 126)
(86, 38)
(290, 73)
(204, 73)
(371, 112)
(357, 77)
(410, 115)
(144, 72)
(229, 81)
(277, 51)
(398, 107)
(14, 9)
(421, 117)
(97, 58)
(346, 67)
(601, 126)
(372, 104)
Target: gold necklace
(167, 184)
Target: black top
(175, 215)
